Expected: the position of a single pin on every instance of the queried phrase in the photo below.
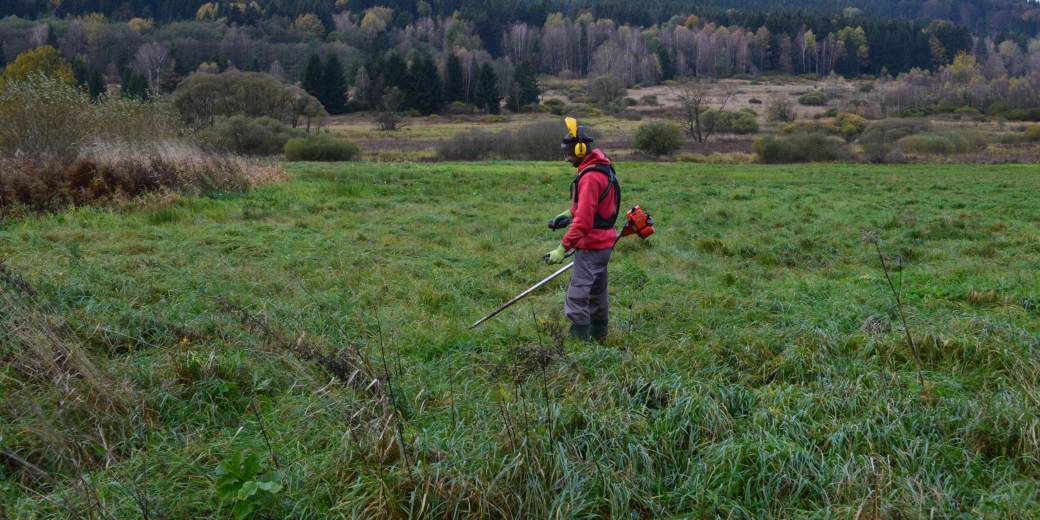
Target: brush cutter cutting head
(638, 222)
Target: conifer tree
(333, 86)
(487, 96)
(423, 89)
(453, 87)
(312, 76)
(524, 90)
(395, 71)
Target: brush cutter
(637, 222)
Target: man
(595, 202)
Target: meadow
(301, 350)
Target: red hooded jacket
(581, 234)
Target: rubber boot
(582, 332)
(599, 330)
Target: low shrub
(109, 174)
(45, 119)
(780, 109)
(320, 148)
(1032, 134)
(942, 143)
(850, 126)
(657, 138)
(630, 102)
(813, 99)
(1023, 114)
(555, 106)
(460, 108)
(744, 121)
(815, 147)
(649, 100)
(533, 142)
(810, 127)
(471, 145)
(879, 137)
(716, 158)
(249, 136)
(755, 101)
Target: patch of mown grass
(317, 328)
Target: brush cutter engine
(638, 222)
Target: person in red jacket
(595, 202)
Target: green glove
(560, 221)
(556, 255)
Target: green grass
(756, 369)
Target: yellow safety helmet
(575, 138)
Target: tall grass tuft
(63, 410)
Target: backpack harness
(600, 222)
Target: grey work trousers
(587, 294)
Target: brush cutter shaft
(637, 222)
(524, 294)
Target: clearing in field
(301, 350)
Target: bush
(533, 142)
(556, 106)
(249, 136)
(630, 102)
(460, 108)
(471, 145)
(320, 148)
(879, 138)
(606, 90)
(1023, 114)
(780, 109)
(649, 100)
(658, 138)
(43, 118)
(106, 174)
(943, 143)
(755, 101)
(1033, 134)
(813, 99)
(809, 127)
(850, 126)
(743, 121)
(797, 148)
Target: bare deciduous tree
(389, 115)
(695, 99)
(149, 62)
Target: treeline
(1015, 17)
(349, 60)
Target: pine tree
(525, 87)
(135, 86)
(395, 71)
(3, 56)
(423, 86)
(487, 96)
(453, 87)
(95, 84)
(333, 86)
(667, 68)
(312, 76)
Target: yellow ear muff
(580, 150)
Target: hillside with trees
(346, 54)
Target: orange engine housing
(638, 222)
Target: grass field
(301, 351)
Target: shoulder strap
(607, 170)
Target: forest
(148, 47)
